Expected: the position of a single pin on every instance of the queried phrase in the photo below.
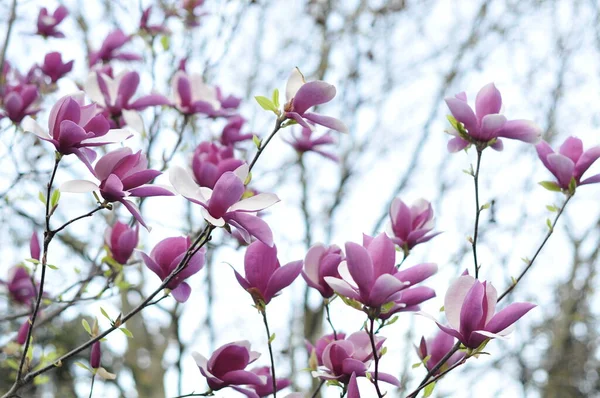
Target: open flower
(115, 95)
(265, 277)
(411, 225)
(301, 96)
(122, 174)
(121, 241)
(192, 95)
(54, 67)
(319, 347)
(226, 368)
(322, 261)
(353, 391)
(46, 23)
(264, 390)
(210, 161)
(231, 133)
(224, 204)
(570, 163)
(342, 358)
(229, 101)
(305, 142)
(166, 257)
(108, 51)
(486, 125)
(470, 307)
(19, 101)
(436, 348)
(74, 128)
(19, 285)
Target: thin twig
(263, 311)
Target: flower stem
(328, 316)
(264, 315)
(375, 355)
(92, 386)
(477, 213)
(263, 145)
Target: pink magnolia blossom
(225, 204)
(166, 257)
(371, 278)
(264, 276)
(570, 163)
(109, 49)
(145, 25)
(191, 95)
(319, 347)
(210, 161)
(226, 368)
(301, 96)
(231, 133)
(121, 241)
(322, 261)
(486, 124)
(23, 332)
(34, 246)
(342, 358)
(353, 391)
(75, 128)
(436, 348)
(229, 101)
(19, 285)
(54, 67)
(95, 355)
(264, 390)
(122, 174)
(19, 101)
(470, 307)
(47, 24)
(305, 142)
(411, 225)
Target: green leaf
(86, 326)
(248, 179)
(12, 363)
(485, 206)
(453, 121)
(105, 314)
(383, 352)
(126, 332)
(387, 307)
(43, 379)
(51, 266)
(549, 224)
(265, 103)
(276, 98)
(442, 308)
(351, 302)
(82, 366)
(416, 365)
(55, 198)
(272, 338)
(426, 359)
(42, 197)
(392, 321)
(428, 390)
(552, 208)
(33, 260)
(256, 141)
(165, 42)
(550, 186)
(572, 185)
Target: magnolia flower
(121, 241)
(305, 142)
(353, 387)
(95, 355)
(570, 163)
(231, 133)
(225, 368)
(224, 204)
(19, 101)
(46, 23)
(301, 96)
(108, 51)
(371, 278)
(34, 246)
(122, 174)
(411, 225)
(264, 390)
(54, 67)
(486, 125)
(265, 277)
(322, 261)
(115, 95)
(210, 161)
(342, 358)
(145, 26)
(316, 351)
(470, 308)
(75, 128)
(19, 285)
(166, 258)
(436, 348)
(227, 102)
(192, 95)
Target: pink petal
(586, 160)
(490, 124)
(282, 278)
(182, 292)
(522, 130)
(457, 144)
(572, 148)
(326, 121)
(463, 113)
(455, 296)
(360, 266)
(488, 101)
(253, 225)
(508, 316)
(562, 167)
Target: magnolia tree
(112, 123)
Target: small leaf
(572, 185)
(550, 186)
(51, 266)
(549, 224)
(513, 280)
(256, 141)
(272, 338)
(392, 321)
(55, 198)
(416, 365)
(428, 390)
(126, 332)
(265, 103)
(82, 366)
(383, 352)
(426, 359)
(276, 98)
(442, 308)
(165, 42)
(42, 197)
(485, 206)
(552, 208)
(105, 314)
(32, 260)
(86, 326)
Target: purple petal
(326, 121)
(282, 278)
(311, 94)
(455, 296)
(417, 273)
(260, 263)
(149, 100)
(463, 113)
(383, 255)
(490, 124)
(134, 212)
(153, 266)
(562, 167)
(592, 180)
(522, 130)
(543, 149)
(360, 266)
(228, 190)
(342, 287)
(586, 160)
(253, 225)
(488, 101)
(472, 310)
(508, 316)
(572, 148)
(457, 144)
(182, 292)
(353, 387)
(384, 287)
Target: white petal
(217, 222)
(133, 120)
(203, 92)
(184, 184)
(31, 125)
(201, 361)
(112, 136)
(490, 334)
(79, 186)
(242, 172)
(256, 202)
(345, 274)
(295, 81)
(455, 296)
(92, 89)
(311, 261)
(105, 375)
